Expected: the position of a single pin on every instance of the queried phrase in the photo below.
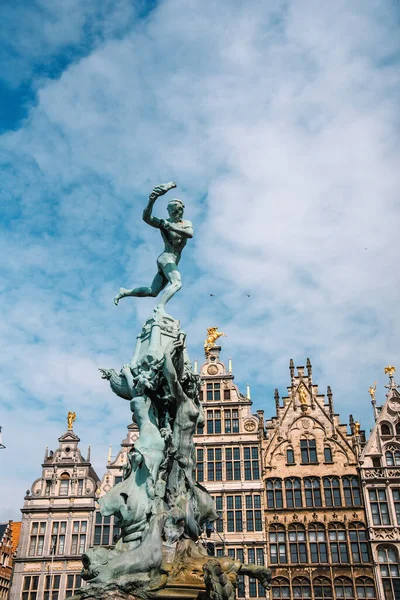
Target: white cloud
(279, 124)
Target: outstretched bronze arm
(158, 191)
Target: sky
(278, 120)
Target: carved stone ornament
(306, 423)
(212, 370)
(249, 426)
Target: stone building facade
(57, 520)
(229, 455)
(316, 525)
(380, 472)
(9, 539)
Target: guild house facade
(287, 490)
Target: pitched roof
(15, 533)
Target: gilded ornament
(302, 395)
(212, 370)
(390, 370)
(70, 420)
(371, 391)
(249, 426)
(212, 336)
(357, 428)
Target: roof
(15, 533)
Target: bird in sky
(212, 295)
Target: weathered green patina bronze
(160, 506)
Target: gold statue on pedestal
(357, 427)
(371, 391)
(70, 420)
(390, 370)
(212, 336)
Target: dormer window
(386, 429)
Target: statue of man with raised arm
(175, 233)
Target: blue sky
(280, 123)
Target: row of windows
(388, 560)
(218, 421)
(380, 507)
(294, 492)
(387, 429)
(51, 586)
(213, 393)
(308, 453)
(231, 516)
(65, 486)
(225, 464)
(58, 537)
(296, 545)
(107, 530)
(255, 556)
(362, 588)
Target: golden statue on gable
(390, 370)
(212, 336)
(70, 420)
(372, 390)
(302, 394)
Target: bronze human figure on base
(175, 233)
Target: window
(351, 488)
(318, 546)
(58, 537)
(237, 554)
(36, 542)
(308, 451)
(277, 545)
(392, 456)
(227, 394)
(327, 454)
(290, 456)
(78, 540)
(214, 464)
(255, 556)
(253, 513)
(359, 543)
(332, 491)
(228, 421)
(379, 507)
(200, 464)
(398, 428)
(386, 429)
(74, 582)
(293, 493)
(235, 421)
(251, 463)
(396, 502)
(29, 588)
(389, 568)
(219, 523)
(234, 513)
(344, 588)
(213, 421)
(213, 391)
(51, 587)
(365, 588)
(232, 467)
(338, 544)
(297, 544)
(301, 588)
(80, 487)
(102, 530)
(312, 492)
(274, 493)
(322, 589)
(64, 484)
(280, 588)
(47, 489)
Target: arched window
(301, 588)
(274, 493)
(359, 543)
(64, 484)
(392, 456)
(351, 488)
(398, 428)
(312, 492)
(308, 451)
(338, 544)
(332, 491)
(389, 567)
(280, 588)
(297, 544)
(386, 429)
(277, 545)
(328, 454)
(322, 588)
(344, 588)
(318, 547)
(290, 456)
(293, 493)
(365, 588)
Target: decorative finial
(248, 395)
(70, 420)
(212, 336)
(230, 366)
(390, 370)
(196, 367)
(371, 391)
(109, 455)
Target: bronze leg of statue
(159, 283)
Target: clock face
(249, 426)
(212, 370)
